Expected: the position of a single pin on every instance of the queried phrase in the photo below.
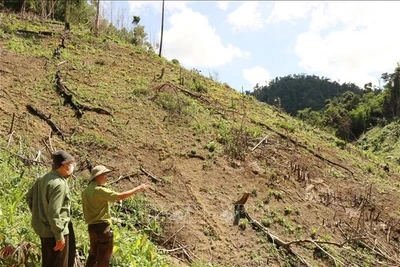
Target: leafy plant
(211, 146)
(243, 223)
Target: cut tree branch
(259, 143)
(123, 177)
(79, 109)
(47, 119)
(153, 178)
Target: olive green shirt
(50, 203)
(95, 203)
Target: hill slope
(383, 141)
(200, 139)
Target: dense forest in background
(297, 92)
(345, 109)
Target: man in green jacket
(50, 203)
(96, 211)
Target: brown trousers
(101, 245)
(63, 258)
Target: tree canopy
(345, 109)
(300, 91)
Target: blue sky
(249, 42)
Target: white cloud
(351, 41)
(256, 75)
(290, 11)
(138, 7)
(193, 41)
(223, 5)
(349, 14)
(246, 17)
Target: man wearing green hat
(50, 203)
(96, 211)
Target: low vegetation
(315, 199)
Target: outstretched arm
(126, 194)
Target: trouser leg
(91, 261)
(72, 246)
(104, 248)
(51, 258)
(101, 245)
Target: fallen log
(62, 91)
(47, 119)
(190, 155)
(123, 177)
(153, 178)
(97, 110)
(259, 143)
(67, 94)
(46, 33)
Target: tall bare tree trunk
(67, 11)
(23, 8)
(162, 28)
(43, 9)
(96, 30)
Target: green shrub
(211, 146)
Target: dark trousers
(101, 245)
(63, 258)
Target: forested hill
(297, 92)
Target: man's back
(49, 202)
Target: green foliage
(243, 223)
(135, 249)
(89, 140)
(392, 96)
(139, 36)
(311, 116)
(140, 86)
(15, 227)
(314, 233)
(169, 101)
(198, 86)
(383, 141)
(288, 127)
(80, 12)
(348, 115)
(340, 143)
(345, 109)
(288, 210)
(175, 61)
(298, 92)
(211, 146)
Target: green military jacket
(50, 203)
(95, 203)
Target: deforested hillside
(235, 182)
